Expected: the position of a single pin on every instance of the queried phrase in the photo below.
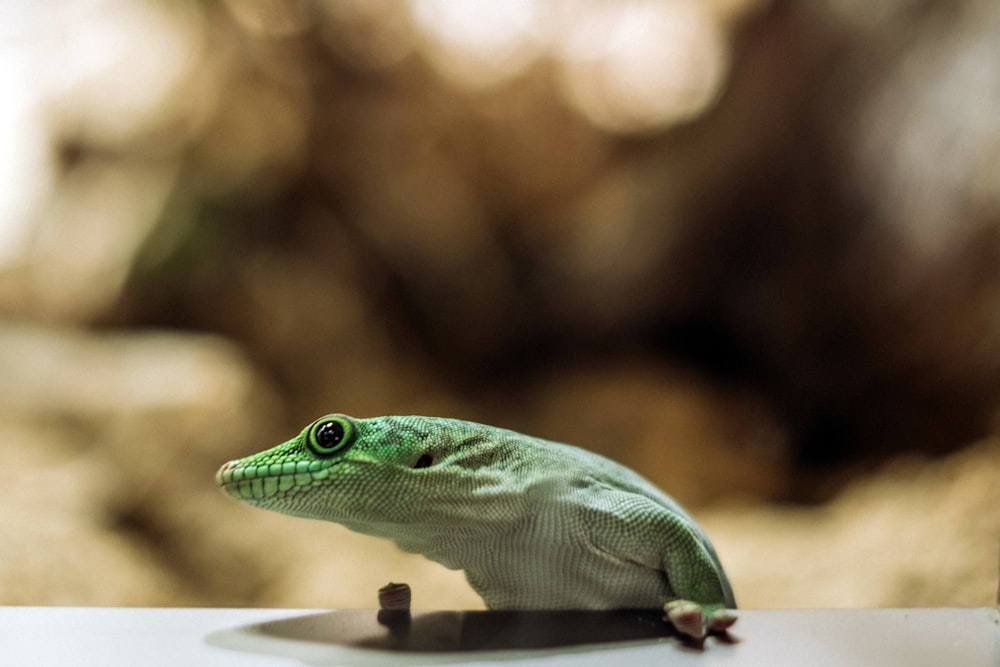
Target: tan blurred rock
(917, 533)
(110, 439)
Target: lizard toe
(686, 617)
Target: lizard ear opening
(424, 461)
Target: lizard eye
(330, 434)
(424, 461)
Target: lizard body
(534, 524)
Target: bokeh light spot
(479, 44)
(644, 65)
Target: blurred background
(747, 247)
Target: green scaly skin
(535, 524)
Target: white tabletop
(209, 637)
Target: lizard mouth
(255, 484)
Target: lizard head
(380, 472)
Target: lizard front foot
(695, 620)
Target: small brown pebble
(394, 597)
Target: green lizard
(535, 524)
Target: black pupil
(329, 434)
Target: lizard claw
(691, 620)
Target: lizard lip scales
(250, 482)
